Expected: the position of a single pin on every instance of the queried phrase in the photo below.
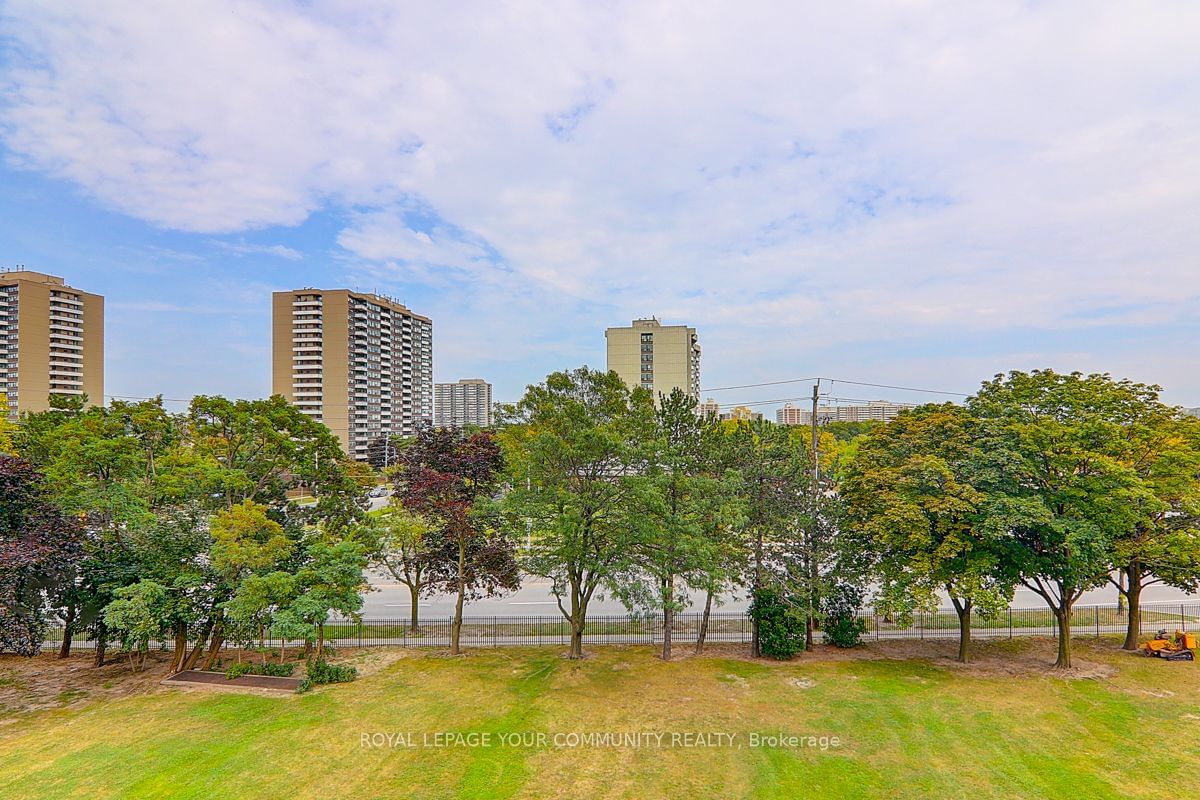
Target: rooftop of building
(22, 274)
(371, 297)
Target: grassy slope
(911, 729)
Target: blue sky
(920, 194)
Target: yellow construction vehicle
(1180, 647)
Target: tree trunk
(704, 623)
(1133, 623)
(214, 646)
(68, 632)
(181, 643)
(1064, 637)
(668, 617)
(456, 625)
(101, 643)
(576, 638)
(964, 629)
(755, 650)
(194, 657)
(413, 595)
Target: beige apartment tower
(657, 357)
(466, 402)
(360, 363)
(51, 341)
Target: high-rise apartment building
(742, 413)
(709, 408)
(657, 357)
(790, 415)
(877, 410)
(466, 402)
(360, 363)
(51, 341)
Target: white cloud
(278, 250)
(770, 172)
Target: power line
(756, 385)
(837, 380)
(899, 388)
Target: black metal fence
(722, 628)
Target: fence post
(1096, 616)
(1010, 625)
(1182, 619)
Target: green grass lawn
(908, 728)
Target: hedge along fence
(722, 628)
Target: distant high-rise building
(466, 402)
(710, 407)
(742, 412)
(790, 415)
(877, 410)
(360, 363)
(51, 341)
(657, 357)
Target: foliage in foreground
(781, 624)
(321, 672)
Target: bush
(321, 671)
(781, 625)
(238, 670)
(246, 668)
(277, 670)
(843, 627)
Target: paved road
(390, 599)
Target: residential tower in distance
(657, 357)
(360, 363)
(51, 341)
(878, 410)
(466, 402)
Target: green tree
(917, 493)
(246, 541)
(1163, 544)
(98, 471)
(1066, 492)
(258, 449)
(299, 603)
(571, 443)
(402, 545)
(682, 513)
(788, 525)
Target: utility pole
(814, 521)
(816, 458)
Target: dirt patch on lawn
(46, 681)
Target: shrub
(238, 670)
(843, 627)
(321, 671)
(781, 625)
(277, 670)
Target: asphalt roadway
(390, 599)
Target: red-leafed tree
(39, 551)
(450, 476)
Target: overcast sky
(914, 193)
